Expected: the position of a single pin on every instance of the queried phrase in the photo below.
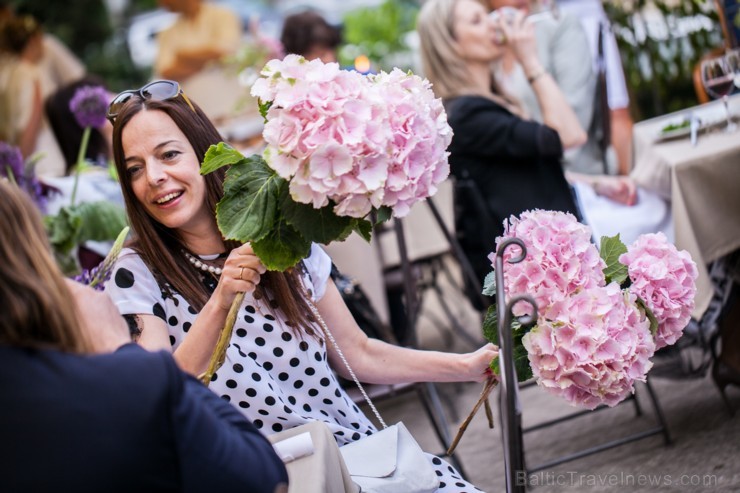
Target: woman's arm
(556, 112)
(30, 132)
(241, 273)
(375, 361)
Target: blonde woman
(514, 162)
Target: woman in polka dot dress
(278, 368)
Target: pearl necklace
(199, 264)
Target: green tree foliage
(378, 32)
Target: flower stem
(490, 384)
(219, 353)
(80, 159)
(11, 175)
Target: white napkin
(295, 447)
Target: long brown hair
(160, 247)
(35, 308)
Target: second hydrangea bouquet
(601, 315)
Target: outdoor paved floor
(704, 455)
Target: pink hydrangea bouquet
(600, 314)
(339, 146)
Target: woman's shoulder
(462, 107)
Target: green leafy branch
(257, 208)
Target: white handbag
(390, 460)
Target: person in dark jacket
(75, 416)
(512, 164)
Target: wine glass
(733, 59)
(718, 80)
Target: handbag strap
(328, 334)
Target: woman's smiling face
(164, 171)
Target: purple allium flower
(89, 106)
(11, 161)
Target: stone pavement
(704, 455)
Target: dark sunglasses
(159, 90)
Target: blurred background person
(593, 18)
(119, 422)
(563, 51)
(22, 119)
(58, 64)
(513, 162)
(308, 34)
(202, 34)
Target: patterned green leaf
(219, 155)
(611, 249)
(249, 206)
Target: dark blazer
(514, 165)
(130, 421)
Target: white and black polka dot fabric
(277, 379)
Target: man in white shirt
(592, 15)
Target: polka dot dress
(277, 379)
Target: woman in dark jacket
(504, 164)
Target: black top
(122, 422)
(513, 163)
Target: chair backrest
(701, 93)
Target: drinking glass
(733, 59)
(718, 80)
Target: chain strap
(329, 336)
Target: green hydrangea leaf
(264, 107)
(364, 228)
(282, 248)
(219, 155)
(319, 225)
(100, 221)
(64, 229)
(649, 314)
(611, 248)
(249, 206)
(490, 325)
(383, 214)
(489, 284)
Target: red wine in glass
(721, 86)
(718, 79)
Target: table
(702, 182)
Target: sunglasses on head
(159, 90)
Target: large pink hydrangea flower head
(361, 142)
(593, 349)
(561, 259)
(665, 279)
(420, 137)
